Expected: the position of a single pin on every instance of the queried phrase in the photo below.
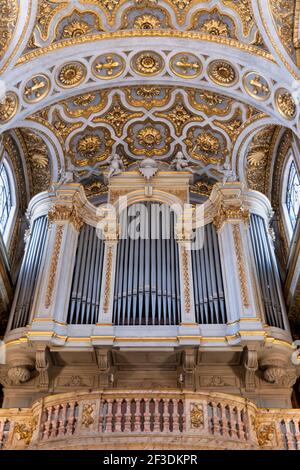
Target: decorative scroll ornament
(60, 212)
(8, 19)
(147, 63)
(222, 73)
(108, 66)
(197, 416)
(215, 27)
(24, 432)
(108, 276)
(265, 434)
(36, 88)
(186, 65)
(87, 415)
(285, 103)
(8, 107)
(71, 75)
(241, 263)
(256, 86)
(53, 265)
(186, 280)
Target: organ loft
(149, 224)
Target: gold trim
(147, 33)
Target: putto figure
(180, 162)
(116, 165)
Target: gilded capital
(61, 212)
(227, 214)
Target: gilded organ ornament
(147, 63)
(108, 66)
(8, 107)
(36, 88)
(256, 86)
(71, 75)
(285, 103)
(186, 65)
(222, 73)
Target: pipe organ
(208, 281)
(30, 269)
(87, 277)
(102, 311)
(147, 282)
(267, 272)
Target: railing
(128, 418)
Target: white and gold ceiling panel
(59, 20)
(147, 120)
(33, 86)
(215, 79)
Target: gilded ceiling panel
(60, 21)
(152, 121)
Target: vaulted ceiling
(218, 80)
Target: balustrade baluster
(2, 424)
(297, 433)
(166, 415)
(108, 426)
(118, 418)
(128, 415)
(176, 415)
(47, 424)
(147, 416)
(156, 415)
(62, 419)
(138, 415)
(55, 421)
(224, 421)
(70, 418)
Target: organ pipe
(29, 272)
(208, 282)
(267, 272)
(147, 287)
(87, 278)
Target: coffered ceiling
(217, 80)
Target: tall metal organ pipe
(87, 278)
(147, 282)
(267, 272)
(29, 272)
(208, 281)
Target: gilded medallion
(186, 65)
(256, 86)
(36, 88)
(71, 75)
(222, 73)
(285, 103)
(147, 63)
(8, 107)
(108, 66)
